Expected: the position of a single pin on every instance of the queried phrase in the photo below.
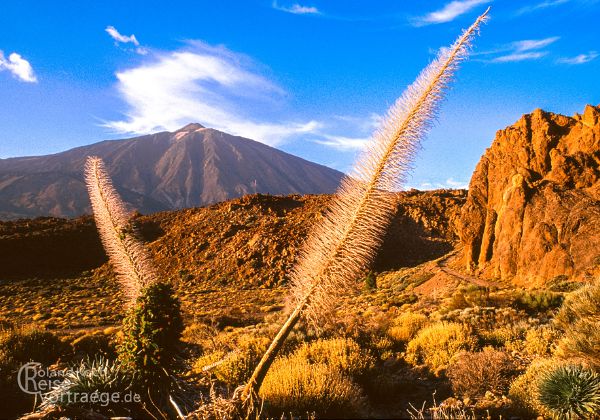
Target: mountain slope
(190, 167)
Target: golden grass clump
(233, 367)
(120, 239)
(406, 326)
(579, 318)
(343, 354)
(436, 344)
(540, 341)
(293, 384)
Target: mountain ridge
(190, 167)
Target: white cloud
(527, 49)
(449, 12)
(124, 39)
(205, 84)
(579, 59)
(539, 6)
(511, 58)
(450, 183)
(342, 143)
(297, 9)
(534, 44)
(18, 66)
(112, 31)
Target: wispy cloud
(540, 6)
(450, 183)
(343, 143)
(528, 49)
(511, 58)
(449, 12)
(296, 9)
(124, 39)
(202, 83)
(578, 59)
(18, 66)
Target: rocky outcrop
(533, 208)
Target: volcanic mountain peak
(193, 166)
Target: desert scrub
(578, 319)
(233, 367)
(474, 374)
(539, 301)
(29, 343)
(524, 391)
(342, 354)
(151, 333)
(96, 343)
(570, 392)
(100, 377)
(293, 384)
(436, 344)
(540, 341)
(406, 326)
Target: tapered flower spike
(346, 240)
(128, 256)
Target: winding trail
(442, 264)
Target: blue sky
(309, 77)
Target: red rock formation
(533, 209)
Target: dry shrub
(293, 384)
(540, 341)
(341, 354)
(474, 374)
(524, 389)
(578, 318)
(29, 343)
(406, 326)
(436, 344)
(234, 367)
(93, 344)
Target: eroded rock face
(533, 209)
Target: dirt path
(442, 264)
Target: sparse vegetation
(474, 374)
(436, 344)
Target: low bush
(234, 367)
(540, 341)
(436, 344)
(293, 384)
(578, 319)
(570, 391)
(406, 326)
(474, 374)
(94, 344)
(29, 343)
(538, 301)
(342, 354)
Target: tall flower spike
(346, 240)
(128, 256)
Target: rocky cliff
(533, 208)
